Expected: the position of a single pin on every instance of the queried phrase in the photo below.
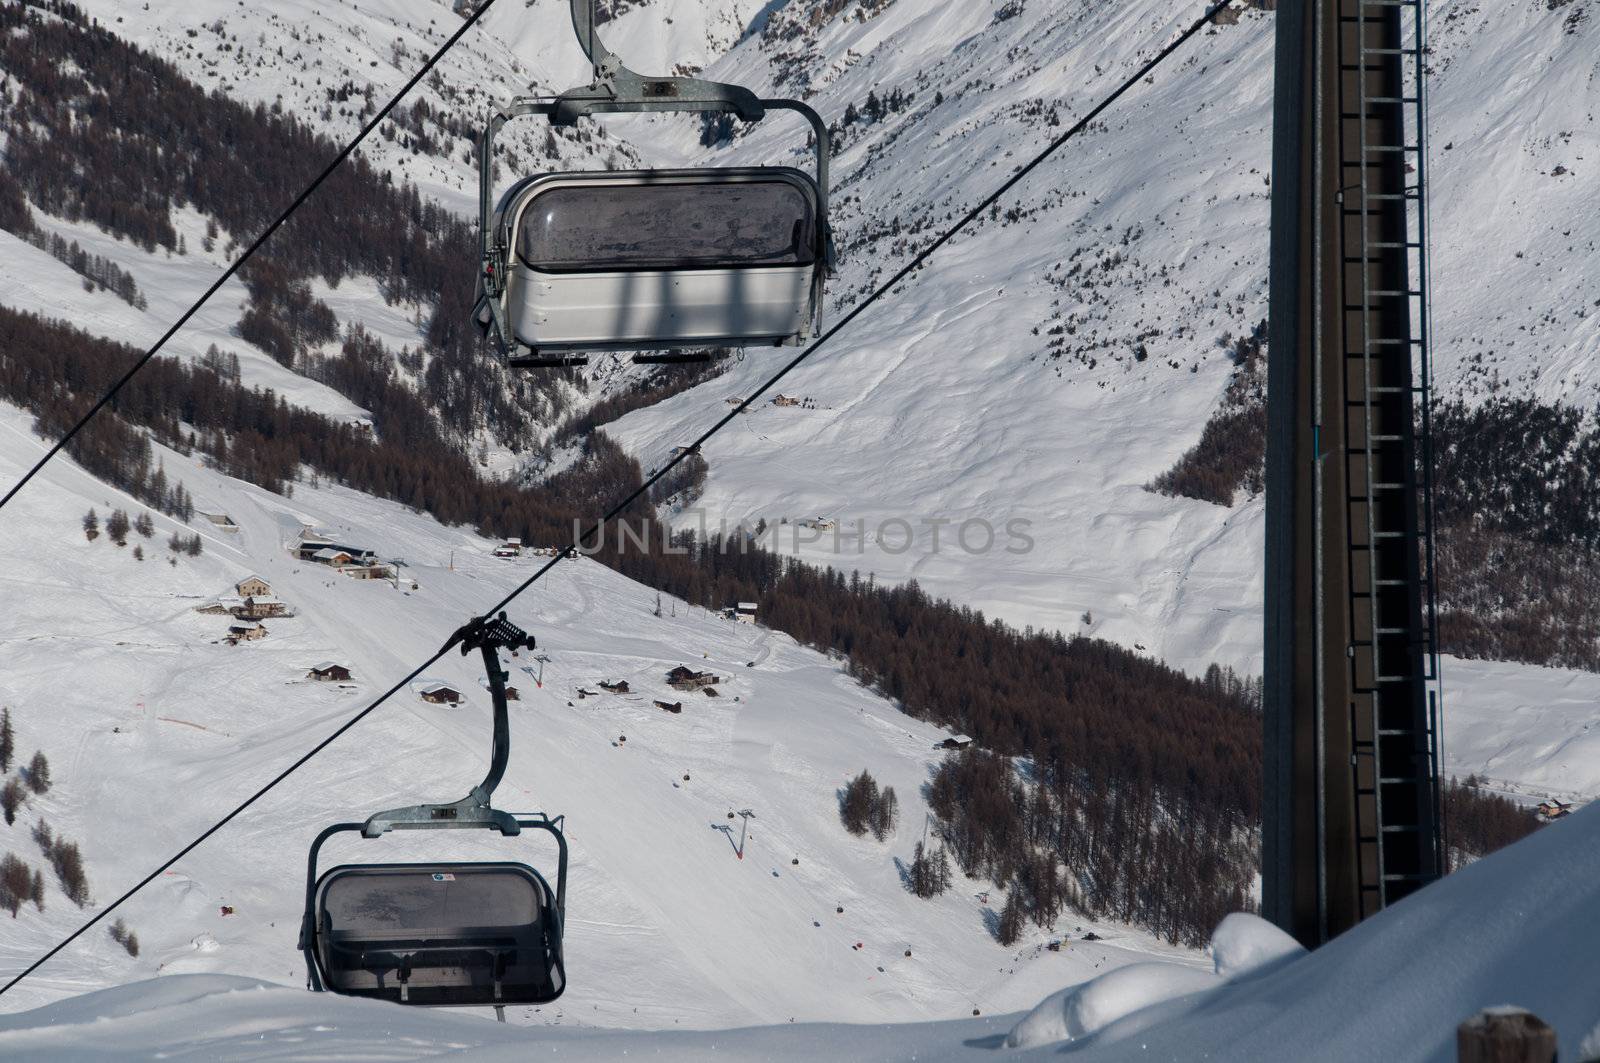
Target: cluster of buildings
(251, 602)
(357, 562)
(514, 548)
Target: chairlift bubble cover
(465, 934)
(642, 259)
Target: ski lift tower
(1351, 819)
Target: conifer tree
(117, 527)
(1011, 918)
(91, 525)
(884, 814)
(855, 810)
(38, 773)
(11, 798)
(16, 883)
(8, 740)
(144, 525)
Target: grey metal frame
(615, 89)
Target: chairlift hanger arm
(489, 636)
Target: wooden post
(1505, 1035)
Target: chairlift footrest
(547, 361)
(697, 358)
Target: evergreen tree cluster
(19, 884)
(122, 935)
(929, 874)
(1117, 852)
(1232, 451)
(67, 861)
(864, 807)
(1477, 823)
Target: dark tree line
(1478, 823)
(79, 100)
(96, 270)
(1232, 450)
(1518, 511)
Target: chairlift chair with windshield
(445, 933)
(650, 260)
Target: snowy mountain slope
(1046, 368)
(1512, 927)
(945, 403)
(34, 281)
(153, 728)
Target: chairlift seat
(464, 934)
(650, 259)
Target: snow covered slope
(153, 727)
(1045, 368)
(1048, 367)
(1512, 928)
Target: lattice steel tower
(1352, 818)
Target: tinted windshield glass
(668, 226)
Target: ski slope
(1514, 927)
(154, 728)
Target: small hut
(246, 631)
(329, 672)
(440, 694)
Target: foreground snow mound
(1516, 926)
(1245, 944)
(1242, 946)
(1084, 1010)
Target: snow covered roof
(243, 625)
(747, 607)
(328, 553)
(265, 599)
(437, 687)
(325, 666)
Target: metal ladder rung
(1394, 631)
(1390, 149)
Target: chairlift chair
(650, 260)
(447, 933)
